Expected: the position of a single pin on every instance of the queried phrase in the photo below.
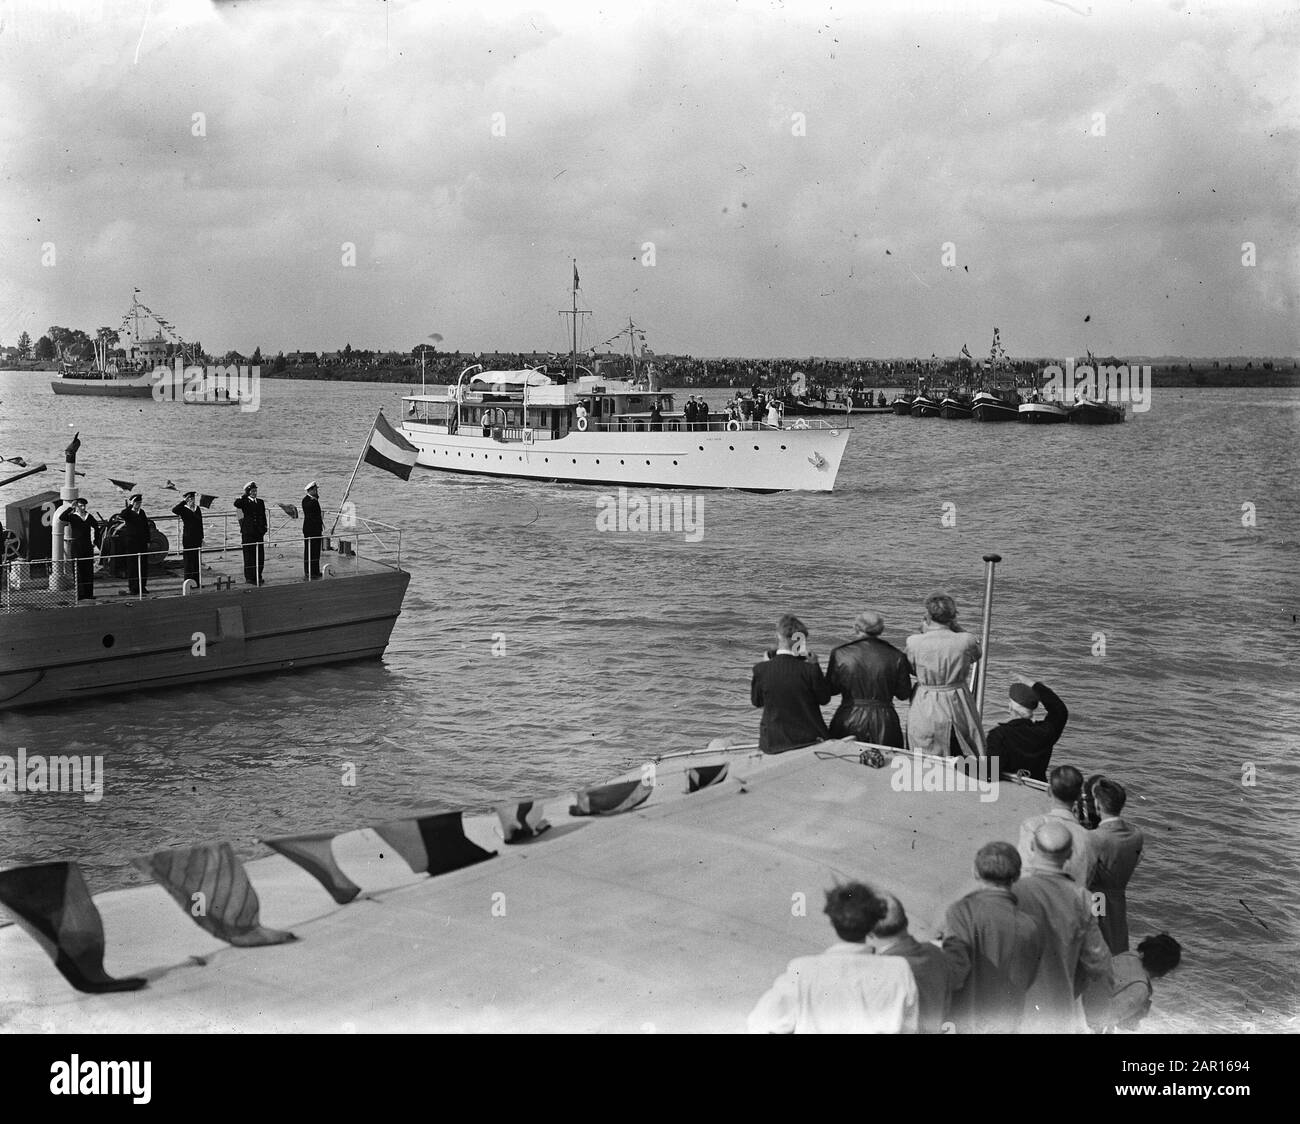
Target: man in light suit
(791, 689)
(1117, 847)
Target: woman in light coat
(943, 719)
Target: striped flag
(575, 275)
(389, 450)
(122, 485)
(965, 354)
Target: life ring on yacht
(733, 425)
(799, 424)
(582, 424)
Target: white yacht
(582, 428)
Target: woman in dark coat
(868, 673)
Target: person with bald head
(929, 968)
(1064, 787)
(1075, 956)
(868, 673)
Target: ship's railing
(640, 424)
(46, 584)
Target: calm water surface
(617, 646)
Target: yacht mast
(575, 313)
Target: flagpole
(348, 490)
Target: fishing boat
(997, 399)
(56, 649)
(578, 427)
(992, 405)
(1087, 411)
(955, 405)
(925, 405)
(131, 377)
(1037, 410)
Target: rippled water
(621, 645)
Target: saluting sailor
(191, 535)
(252, 533)
(83, 546)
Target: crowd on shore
(1043, 944)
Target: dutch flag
(389, 450)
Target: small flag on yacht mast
(122, 485)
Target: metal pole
(21, 475)
(990, 561)
(348, 490)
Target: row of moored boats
(1001, 405)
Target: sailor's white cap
(310, 486)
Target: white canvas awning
(512, 378)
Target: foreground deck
(675, 916)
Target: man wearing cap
(134, 542)
(1023, 743)
(191, 535)
(313, 527)
(83, 546)
(868, 673)
(252, 533)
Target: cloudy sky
(742, 178)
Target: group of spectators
(1046, 952)
(935, 671)
(1029, 950)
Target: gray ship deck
(675, 916)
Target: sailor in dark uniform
(191, 535)
(83, 547)
(313, 527)
(135, 542)
(252, 533)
